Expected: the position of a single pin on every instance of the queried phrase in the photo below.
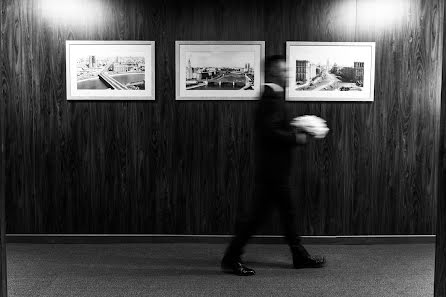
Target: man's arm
(275, 132)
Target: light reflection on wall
(381, 13)
(75, 12)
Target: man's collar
(276, 88)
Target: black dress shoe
(236, 267)
(309, 262)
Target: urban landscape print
(331, 71)
(329, 68)
(341, 73)
(96, 72)
(225, 70)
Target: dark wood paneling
(440, 251)
(3, 86)
(187, 167)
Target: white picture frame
(330, 71)
(130, 74)
(219, 70)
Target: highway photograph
(329, 79)
(323, 67)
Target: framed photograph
(330, 71)
(110, 70)
(219, 70)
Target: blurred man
(275, 139)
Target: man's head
(276, 70)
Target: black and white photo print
(330, 71)
(213, 70)
(114, 70)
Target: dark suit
(275, 140)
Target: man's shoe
(236, 267)
(308, 262)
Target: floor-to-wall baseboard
(177, 238)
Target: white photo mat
(205, 55)
(345, 57)
(79, 50)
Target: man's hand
(301, 137)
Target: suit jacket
(275, 138)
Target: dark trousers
(268, 197)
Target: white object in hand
(312, 125)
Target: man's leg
(247, 226)
(287, 208)
(260, 210)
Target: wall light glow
(381, 13)
(71, 11)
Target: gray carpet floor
(193, 270)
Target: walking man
(275, 139)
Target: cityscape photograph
(330, 77)
(329, 68)
(110, 72)
(229, 70)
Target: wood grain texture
(187, 167)
(440, 251)
(3, 86)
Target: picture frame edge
(70, 97)
(178, 43)
(372, 44)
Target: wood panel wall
(3, 281)
(187, 167)
(440, 252)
